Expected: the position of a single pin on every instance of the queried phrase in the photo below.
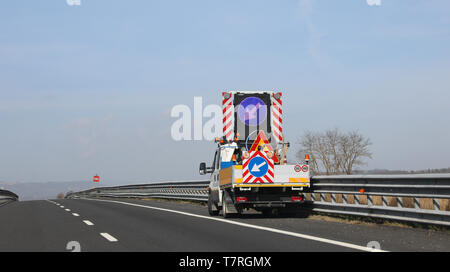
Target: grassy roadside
(371, 221)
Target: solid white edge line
(108, 237)
(87, 222)
(289, 233)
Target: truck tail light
(241, 199)
(297, 198)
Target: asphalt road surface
(168, 226)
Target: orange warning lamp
(362, 191)
(307, 157)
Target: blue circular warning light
(258, 167)
(252, 111)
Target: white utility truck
(250, 169)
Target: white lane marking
(52, 202)
(289, 233)
(108, 237)
(62, 207)
(87, 222)
(75, 214)
(67, 210)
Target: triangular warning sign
(261, 139)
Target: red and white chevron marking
(249, 178)
(277, 118)
(228, 116)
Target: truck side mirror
(202, 168)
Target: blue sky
(87, 89)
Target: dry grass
(369, 221)
(392, 201)
(363, 200)
(426, 203)
(445, 204)
(357, 220)
(350, 199)
(308, 196)
(377, 200)
(408, 202)
(317, 196)
(339, 198)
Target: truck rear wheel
(212, 208)
(225, 213)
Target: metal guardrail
(7, 196)
(421, 198)
(186, 190)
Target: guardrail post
(416, 203)
(436, 204)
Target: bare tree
(60, 196)
(334, 152)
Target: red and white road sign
(96, 178)
(258, 172)
(261, 139)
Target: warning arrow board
(258, 168)
(261, 140)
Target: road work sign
(258, 168)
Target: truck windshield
(227, 151)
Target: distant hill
(46, 190)
(399, 172)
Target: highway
(169, 226)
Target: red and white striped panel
(228, 116)
(277, 118)
(247, 177)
